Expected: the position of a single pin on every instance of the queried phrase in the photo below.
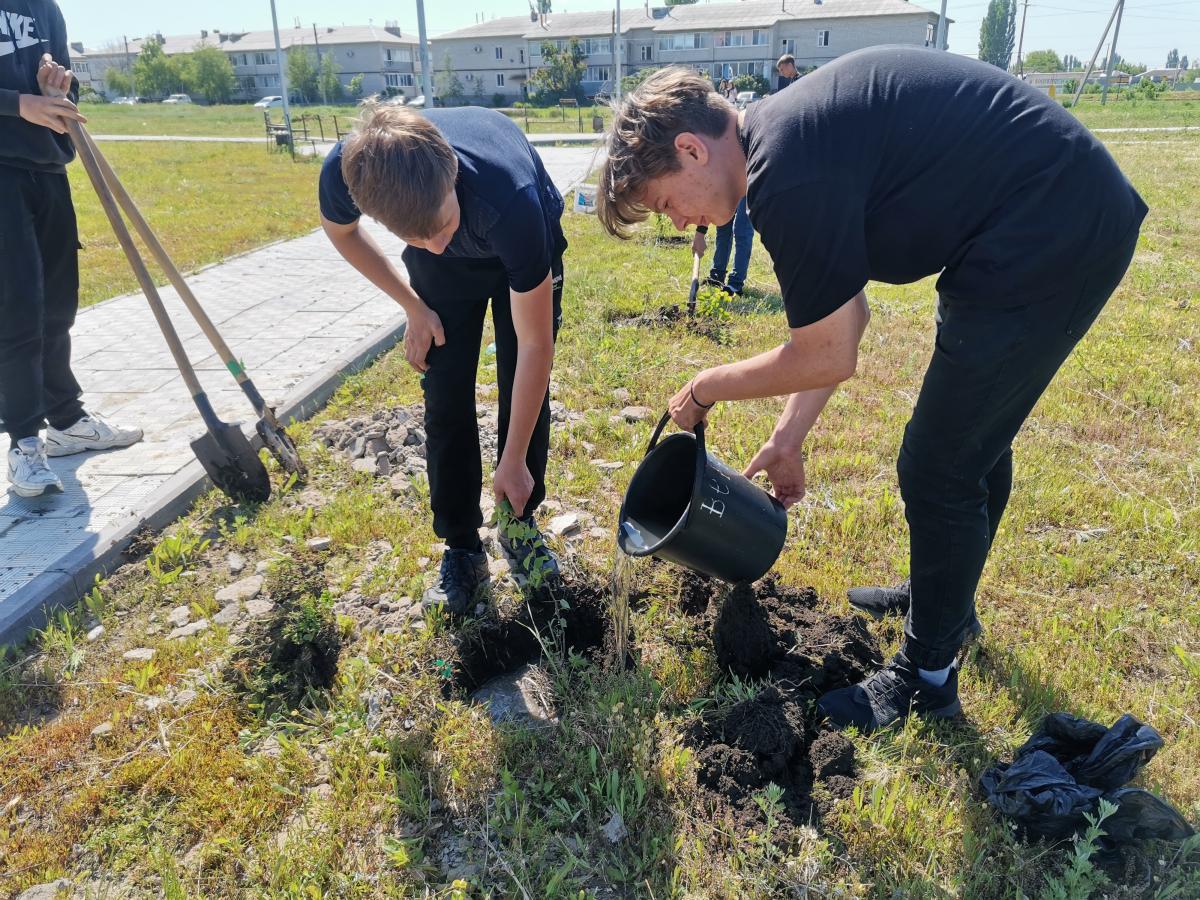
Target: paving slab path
(298, 317)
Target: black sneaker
(889, 695)
(878, 602)
(528, 552)
(732, 291)
(463, 573)
(714, 281)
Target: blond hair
(399, 168)
(641, 146)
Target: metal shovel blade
(232, 464)
(276, 440)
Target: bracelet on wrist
(692, 393)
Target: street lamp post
(287, 112)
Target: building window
(689, 41)
(597, 73)
(647, 52)
(499, 53)
(789, 46)
(597, 45)
(403, 79)
(929, 35)
(731, 39)
(80, 67)
(521, 54)
(822, 38)
(264, 59)
(760, 37)
(499, 79)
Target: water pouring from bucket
(686, 506)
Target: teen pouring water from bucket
(894, 164)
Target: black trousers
(458, 291)
(39, 296)
(989, 368)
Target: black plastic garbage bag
(1060, 774)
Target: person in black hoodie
(39, 252)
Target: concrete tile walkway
(297, 315)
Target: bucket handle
(701, 458)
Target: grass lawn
(1089, 605)
(219, 199)
(1166, 110)
(234, 120)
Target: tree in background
(1127, 67)
(356, 85)
(1071, 63)
(155, 74)
(211, 74)
(1173, 59)
(119, 82)
(1043, 61)
(680, 2)
(302, 73)
(331, 85)
(752, 83)
(1183, 62)
(561, 74)
(477, 92)
(446, 86)
(998, 33)
(634, 81)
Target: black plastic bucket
(686, 506)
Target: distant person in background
(39, 242)
(736, 235)
(729, 90)
(786, 67)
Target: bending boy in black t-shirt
(469, 195)
(894, 164)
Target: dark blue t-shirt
(895, 163)
(510, 209)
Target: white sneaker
(29, 473)
(89, 433)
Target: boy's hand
(53, 80)
(513, 482)
(784, 467)
(49, 112)
(699, 244)
(424, 330)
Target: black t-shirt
(510, 209)
(896, 163)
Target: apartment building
(720, 39)
(387, 57)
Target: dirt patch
(572, 616)
(772, 632)
(290, 655)
(670, 316)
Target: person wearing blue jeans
(737, 235)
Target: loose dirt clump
(292, 654)
(776, 639)
(670, 316)
(568, 616)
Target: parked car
(178, 98)
(745, 98)
(126, 101)
(418, 100)
(269, 103)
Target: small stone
(498, 567)
(228, 614)
(95, 634)
(368, 465)
(246, 589)
(51, 890)
(597, 532)
(400, 484)
(616, 420)
(236, 563)
(139, 654)
(637, 413)
(322, 792)
(262, 567)
(288, 539)
(423, 562)
(558, 411)
(150, 704)
(184, 698)
(383, 465)
(179, 616)
(621, 395)
(608, 466)
(259, 607)
(319, 543)
(415, 437)
(270, 747)
(104, 729)
(187, 631)
(414, 612)
(614, 830)
(567, 523)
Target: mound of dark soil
(499, 644)
(768, 631)
(668, 316)
(292, 653)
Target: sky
(1149, 28)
